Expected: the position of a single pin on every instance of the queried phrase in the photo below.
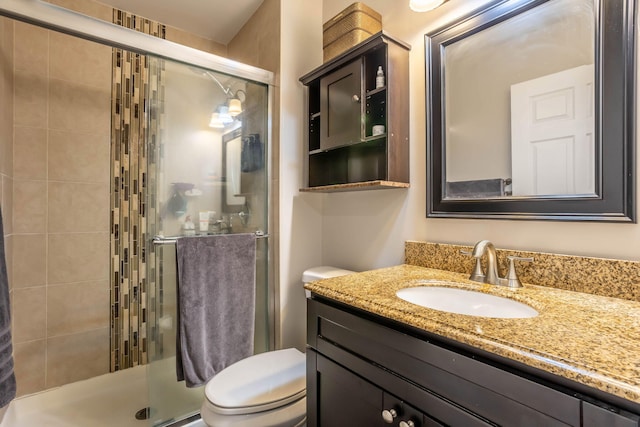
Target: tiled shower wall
(6, 138)
(60, 207)
(55, 192)
(58, 193)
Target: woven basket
(354, 24)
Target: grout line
(46, 240)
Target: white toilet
(264, 390)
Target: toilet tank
(322, 272)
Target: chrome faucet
(491, 276)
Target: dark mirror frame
(615, 121)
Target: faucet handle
(477, 275)
(512, 276)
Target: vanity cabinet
(345, 104)
(360, 365)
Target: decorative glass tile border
(598, 276)
(132, 218)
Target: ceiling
(218, 20)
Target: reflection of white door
(552, 134)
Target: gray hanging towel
(7, 377)
(216, 304)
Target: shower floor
(105, 401)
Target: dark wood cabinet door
(341, 107)
(345, 399)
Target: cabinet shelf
(374, 91)
(342, 152)
(356, 186)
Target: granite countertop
(590, 339)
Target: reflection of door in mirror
(233, 172)
(552, 134)
(479, 71)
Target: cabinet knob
(388, 415)
(407, 424)
(355, 98)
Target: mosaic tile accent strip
(597, 276)
(131, 218)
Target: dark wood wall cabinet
(363, 370)
(346, 148)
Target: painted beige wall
(299, 213)
(365, 230)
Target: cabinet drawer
(596, 416)
(495, 394)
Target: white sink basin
(461, 301)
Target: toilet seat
(258, 383)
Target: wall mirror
(531, 112)
(232, 200)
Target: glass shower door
(207, 174)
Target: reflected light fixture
(221, 117)
(235, 102)
(424, 5)
(235, 107)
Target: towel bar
(162, 240)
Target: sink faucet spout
(486, 247)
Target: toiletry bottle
(379, 77)
(188, 228)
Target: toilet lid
(259, 383)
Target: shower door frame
(59, 19)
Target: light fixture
(221, 117)
(235, 107)
(424, 5)
(215, 121)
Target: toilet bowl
(266, 389)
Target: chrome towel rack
(162, 240)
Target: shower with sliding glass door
(182, 148)
(208, 180)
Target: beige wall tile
(6, 97)
(31, 49)
(79, 157)
(77, 357)
(75, 107)
(7, 204)
(81, 61)
(30, 100)
(78, 207)
(28, 312)
(29, 206)
(29, 262)
(30, 153)
(78, 257)
(258, 42)
(29, 366)
(77, 307)
(8, 257)
(185, 38)
(91, 8)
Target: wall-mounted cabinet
(345, 105)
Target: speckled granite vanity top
(593, 340)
